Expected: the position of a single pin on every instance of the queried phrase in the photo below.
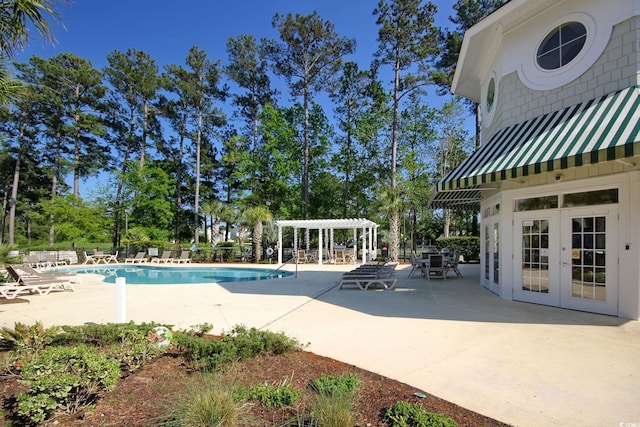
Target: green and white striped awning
(603, 129)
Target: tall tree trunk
(54, 187)
(12, 200)
(305, 165)
(183, 131)
(196, 202)
(257, 241)
(394, 232)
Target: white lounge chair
(42, 283)
(54, 262)
(13, 290)
(164, 258)
(140, 258)
(184, 258)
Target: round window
(491, 94)
(561, 46)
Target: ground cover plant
(117, 374)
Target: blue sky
(167, 29)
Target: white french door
(589, 255)
(568, 258)
(536, 257)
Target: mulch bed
(141, 398)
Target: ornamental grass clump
(336, 396)
(207, 401)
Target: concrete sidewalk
(523, 364)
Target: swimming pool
(161, 275)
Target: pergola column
(279, 245)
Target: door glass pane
(588, 273)
(487, 248)
(496, 253)
(535, 255)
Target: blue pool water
(161, 275)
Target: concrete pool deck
(523, 364)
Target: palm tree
(256, 215)
(16, 17)
(214, 209)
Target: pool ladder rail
(283, 264)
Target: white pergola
(369, 229)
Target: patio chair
(301, 257)
(436, 266)
(184, 258)
(453, 264)
(111, 258)
(88, 259)
(164, 258)
(340, 257)
(140, 258)
(349, 255)
(415, 265)
(312, 256)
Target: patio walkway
(523, 364)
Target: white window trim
(598, 35)
(487, 116)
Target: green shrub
(67, 378)
(329, 385)
(405, 414)
(274, 396)
(101, 334)
(28, 339)
(134, 349)
(241, 343)
(467, 246)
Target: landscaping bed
(145, 396)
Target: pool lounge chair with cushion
(27, 272)
(42, 283)
(140, 258)
(34, 262)
(164, 258)
(54, 262)
(370, 275)
(184, 258)
(13, 290)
